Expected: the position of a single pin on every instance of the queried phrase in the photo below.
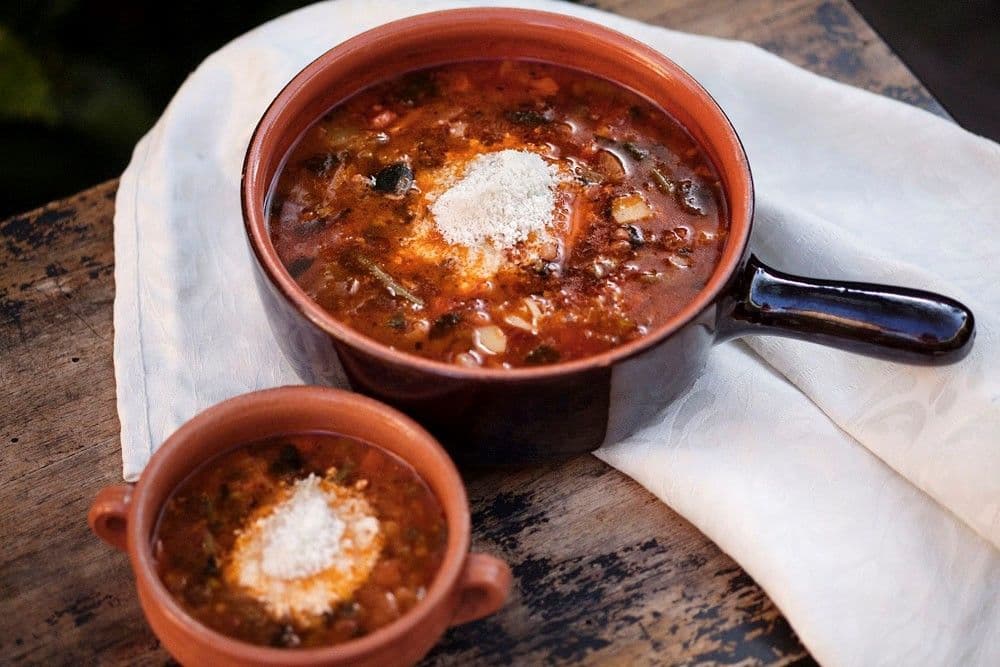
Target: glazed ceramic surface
(503, 416)
(466, 587)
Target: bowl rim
(255, 221)
(143, 518)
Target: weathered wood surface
(605, 572)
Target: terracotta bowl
(496, 416)
(467, 587)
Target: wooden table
(605, 572)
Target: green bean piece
(637, 153)
(390, 283)
(663, 184)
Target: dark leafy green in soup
(499, 214)
(306, 540)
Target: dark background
(82, 80)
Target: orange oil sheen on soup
(635, 225)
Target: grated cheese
(302, 536)
(309, 550)
(504, 197)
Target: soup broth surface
(300, 541)
(499, 214)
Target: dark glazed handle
(895, 323)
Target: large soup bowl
(497, 416)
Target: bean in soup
(307, 540)
(499, 214)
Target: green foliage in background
(82, 80)
(25, 91)
(92, 97)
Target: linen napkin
(863, 496)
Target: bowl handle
(108, 514)
(895, 323)
(483, 588)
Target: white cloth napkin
(863, 496)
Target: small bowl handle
(108, 514)
(483, 588)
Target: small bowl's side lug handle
(894, 323)
(483, 588)
(108, 514)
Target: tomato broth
(410, 212)
(300, 541)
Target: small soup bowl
(506, 416)
(466, 587)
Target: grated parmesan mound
(302, 538)
(311, 549)
(503, 197)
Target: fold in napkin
(863, 496)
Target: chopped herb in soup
(308, 540)
(499, 214)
